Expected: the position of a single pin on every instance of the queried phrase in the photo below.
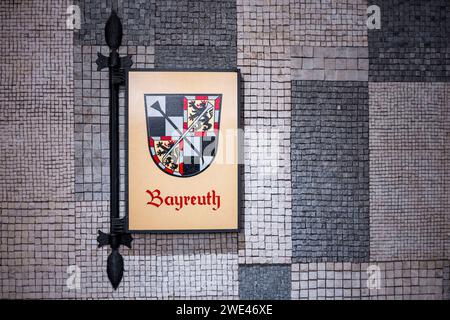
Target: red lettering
(179, 203)
(216, 200)
(169, 201)
(210, 199)
(155, 195)
(201, 200)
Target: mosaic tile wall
(328, 23)
(330, 63)
(409, 170)
(195, 34)
(330, 171)
(263, 58)
(417, 280)
(446, 280)
(37, 209)
(265, 281)
(316, 84)
(413, 45)
(36, 96)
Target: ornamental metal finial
(117, 68)
(113, 31)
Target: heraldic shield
(183, 131)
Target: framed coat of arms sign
(183, 172)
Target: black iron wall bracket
(117, 69)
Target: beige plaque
(182, 149)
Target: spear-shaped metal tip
(114, 268)
(113, 31)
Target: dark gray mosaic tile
(330, 171)
(138, 19)
(195, 35)
(263, 282)
(195, 57)
(413, 42)
(196, 23)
